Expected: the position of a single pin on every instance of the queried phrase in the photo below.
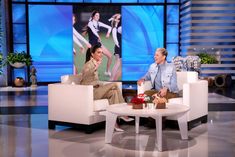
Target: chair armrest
(69, 102)
(195, 95)
(146, 85)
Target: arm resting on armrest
(70, 103)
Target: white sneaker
(107, 73)
(118, 129)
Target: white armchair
(195, 95)
(72, 104)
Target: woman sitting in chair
(108, 91)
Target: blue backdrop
(142, 34)
(50, 34)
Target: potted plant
(19, 60)
(207, 58)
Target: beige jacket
(90, 74)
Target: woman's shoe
(118, 129)
(127, 119)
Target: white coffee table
(176, 110)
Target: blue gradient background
(50, 34)
(142, 33)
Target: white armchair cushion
(176, 100)
(100, 105)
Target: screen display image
(94, 25)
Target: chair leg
(89, 129)
(51, 124)
(204, 119)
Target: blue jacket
(168, 76)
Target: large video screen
(59, 39)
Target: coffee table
(176, 110)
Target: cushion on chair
(101, 104)
(176, 100)
(70, 79)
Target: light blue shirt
(167, 77)
(157, 81)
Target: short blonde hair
(163, 51)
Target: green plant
(21, 57)
(1, 63)
(207, 58)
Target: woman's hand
(140, 81)
(107, 35)
(82, 50)
(88, 45)
(163, 92)
(99, 39)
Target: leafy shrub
(207, 58)
(21, 57)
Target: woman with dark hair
(108, 91)
(92, 29)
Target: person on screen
(116, 33)
(162, 76)
(93, 29)
(77, 39)
(108, 91)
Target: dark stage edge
(24, 110)
(44, 109)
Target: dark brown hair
(91, 50)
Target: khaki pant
(169, 95)
(109, 91)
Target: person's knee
(114, 86)
(150, 92)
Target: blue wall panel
(18, 15)
(151, 1)
(19, 33)
(97, 1)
